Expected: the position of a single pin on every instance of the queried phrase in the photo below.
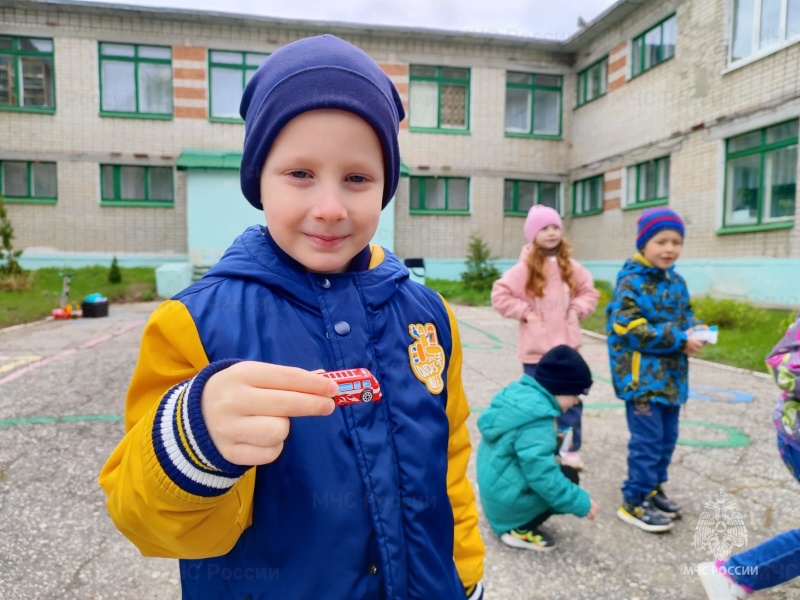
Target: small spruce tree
(114, 274)
(9, 258)
(480, 273)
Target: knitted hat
(322, 72)
(563, 372)
(538, 218)
(654, 220)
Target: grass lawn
(746, 333)
(32, 296)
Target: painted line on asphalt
(16, 362)
(64, 419)
(69, 352)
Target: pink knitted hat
(538, 218)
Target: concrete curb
(697, 361)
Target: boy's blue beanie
(317, 73)
(654, 220)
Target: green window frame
(31, 182)
(588, 196)
(27, 74)
(593, 81)
(519, 195)
(761, 178)
(135, 80)
(533, 105)
(647, 183)
(438, 99)
(228, 73)
(654, 46)
(439, 195)
(136, 185)
(760, 27)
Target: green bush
(480, 273)
(729, 314)
(114, 274)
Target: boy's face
(322, 188)
(663, 249)
(567, 402)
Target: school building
(120, 135)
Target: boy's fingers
(277, 403)
(292, 379)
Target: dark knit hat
(654, 220)
(310, 74)
(563, 372)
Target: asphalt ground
(62, 389)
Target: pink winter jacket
(550, 325)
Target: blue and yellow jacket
(370, 502)
(647, 321)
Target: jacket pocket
(534, 338)
(573, 333)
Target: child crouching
(521, 481)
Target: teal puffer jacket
(518, 475)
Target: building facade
(120, 135)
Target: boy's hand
(693, 346)
(592, 511)
(246, 408)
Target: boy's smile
(322, 188)
(663, 249)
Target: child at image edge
(649, 327)
(777, 560)
(235, 459)
(547, 291)
(520, 481)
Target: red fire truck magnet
(355, 386)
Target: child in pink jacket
(547, 291)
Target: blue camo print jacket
(647, 320)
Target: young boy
(520, 481)
(649, 338)
(235, 459)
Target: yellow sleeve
(159, 517)
(468, 548)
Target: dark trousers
(534, 523)
(654, 433)
(572, 418)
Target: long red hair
(536, 277)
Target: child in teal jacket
(520, 479)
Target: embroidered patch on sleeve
(426, 356)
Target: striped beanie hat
(654, 220)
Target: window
(26, 74)
(761, 176)
(438, 98)
(654, 46)
(519, 196)
(587, 196)
(22, 181)
(533, 104)
(593, 81)
(440, 194)
(759, 25)
(136, 186)
(135, 80)
(229, 73)
(648, 183)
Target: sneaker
(719, 586)
(669, 507)
(645, 517)
(572, 459)
(529, 539)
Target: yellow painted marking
(15, 362)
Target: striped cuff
(475, 592)
(183, 445)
